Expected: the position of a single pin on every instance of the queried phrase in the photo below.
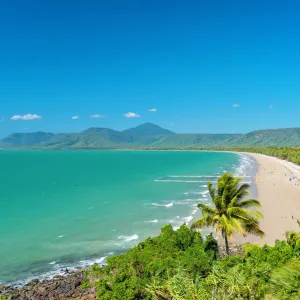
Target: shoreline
(77, 266)
(242, 166)
(59, 287)
(278, 191)
(269, 181)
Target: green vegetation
(127, 276)
(150, 135)
(291, 154)
(231, 213)
(180, 265)
(26, 139)
(6, 297)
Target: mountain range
(149, 135)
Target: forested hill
(150, 135)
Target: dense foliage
(231, 212)
(126, 276)
(180, 265)
(291, 154)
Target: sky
(189, 66)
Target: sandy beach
(278, 191)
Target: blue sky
(190, 60)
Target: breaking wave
(128, 238)
(165, 205)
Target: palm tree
(230, 214)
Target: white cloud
(152, 109)
(96, 116)
(235, 105)
(131, 115)
(25, 117)
(75, 117)
(271, 106)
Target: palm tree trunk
(226, 244)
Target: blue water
(67, 208)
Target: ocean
(68, 209)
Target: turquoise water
(67, 208)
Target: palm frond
(218, 202)
(226, 225)
(233, 201)
(206, 210)
(231, 213)
(201, 223)
(244, 213)
(235, 185)
(238, 226)
(292, 238)
(211, 190)
(230, 189)
(252, 227)
(242, 191)
(248, 203)
(215, 220)
(222, 182)
(225, 195)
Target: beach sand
(278, 190)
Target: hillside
(27, 139)
(148, 129)
(271, 137)
(150, 135)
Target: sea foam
(188, 219)
(245, 163)
(64, 269)
(165, 205)
(128, 238)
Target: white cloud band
(25, 117)
(131, 115)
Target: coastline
(57, 267)
(278, 190)
(251, 170)
(239, 167)
(270, 184)
(59, 287)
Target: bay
(65, 208)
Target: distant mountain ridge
(149, 135)
(148, 129)
(28, 139)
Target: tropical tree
(231, 213)
(285, 281)
(220, 284)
